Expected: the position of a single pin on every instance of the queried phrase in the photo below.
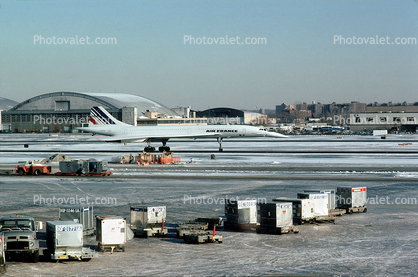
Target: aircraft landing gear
(149, 148)
(220, 144)
(164, 147)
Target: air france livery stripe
(98, 117)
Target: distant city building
(281, 108)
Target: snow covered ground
(381, 242)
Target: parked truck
(148, 220)
(64, 241)
(32, 167)
(20, 239)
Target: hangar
(232, 116)
(63, 111)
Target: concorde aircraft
(103, 123)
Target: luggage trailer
(148, 221)
(304, 211)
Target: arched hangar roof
(85, 100)
(221, 112)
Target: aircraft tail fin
(100, 117)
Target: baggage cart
(202, 236)
(148, 220)
(189, 227)
(65, 241)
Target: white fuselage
(159, 133)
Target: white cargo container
(65, 241)
(79, 213)
(148, 220)
(240, 214)
(303, 209)
(319, 200)
(349, 197)
(329, 192)
(275, 217)
(111, 232)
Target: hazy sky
(298, 61)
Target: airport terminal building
(64, 111)
(393, 118)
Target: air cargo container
(148, 220)
(71, 167)
(64, 241)
(111, 232)
(303, 209)
(275, 218)
(352, 199)
(93, 167)
(329, 192)
(240, 214)
(79, 213)
(320, 201)
(2, 255)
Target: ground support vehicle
(20, 239)
(32, 168)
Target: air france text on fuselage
(221, 131)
